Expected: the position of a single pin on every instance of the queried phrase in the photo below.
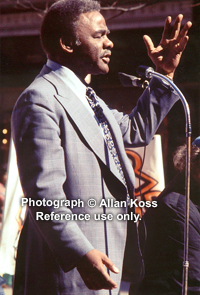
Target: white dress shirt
(72, 81)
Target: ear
(66, 45)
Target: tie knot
(92, 98)
(91, 94)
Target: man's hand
(92, 270)
(166, 56)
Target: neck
(70, 64)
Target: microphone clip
(132, 81)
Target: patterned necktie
(94, 103)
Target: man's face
(93, 55)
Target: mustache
(106, 52)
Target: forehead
(91, 21)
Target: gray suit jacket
(61, 155)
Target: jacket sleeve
(141, 124)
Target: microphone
(132, 81)
(145, 72)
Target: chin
(100, 70)
(104, 70)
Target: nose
(108, 43)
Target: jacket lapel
(117, 137)
(85, 122)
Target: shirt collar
(69, 78)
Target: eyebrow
(103, 31)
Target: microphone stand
(149, 72)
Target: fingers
(182, 38)
(176, 27)
(92, 270)
(107, 281)
(108, 263)
(166, 56)
(149, 44)
(181, 45)
(175, 32)
(167, 28)
(184, 31)
(98, 281)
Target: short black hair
(60, 21)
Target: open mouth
(106, 57)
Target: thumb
(149, 44)
(109, 264)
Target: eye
(101, 33)
(97, 36)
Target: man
(164, 247)
(63, 154)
